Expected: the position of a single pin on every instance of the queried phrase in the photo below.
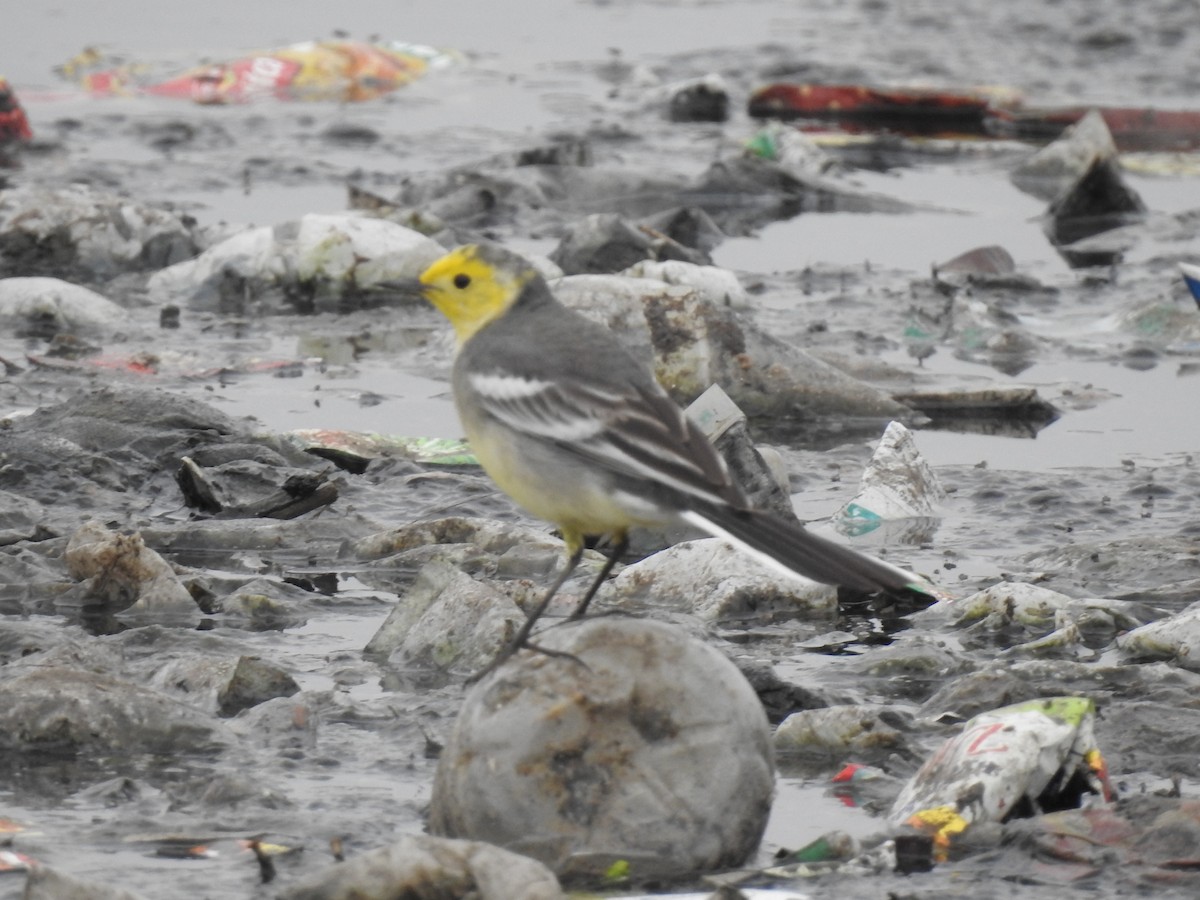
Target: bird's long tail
(787, 545)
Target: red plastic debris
(913, 110)
(859, 108)
(14, 126)
(1132, 128)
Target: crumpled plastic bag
(1019, 760)
(341, 70)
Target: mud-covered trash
(716, 285)
(44, 307)
(248, 488)
(81, 232)
(1174, 639)
(265, 602)
(604, 243)
(899, 490)
(345, 251)
(45, 883)
(1006, 605)
(421, 867)
(1051, 171)
(343, 70)
(114, 443)
(979, 262)
(355, 450)
(583, 760)
(509, 190)
(120, 573)
(1015, 411)
(1099, 201)
(20, 518)
(724, 424)
(61, 709)
(687, 225)
(865, 731)
(744, 193)
(1151, 840)
(224, 686)
(1091, 195)
(1014, 762)
(1154, 324)
(720, 584)
(488, 536)
(320, 261)
(1021, 612)
(791, 148)
(703, 100)
(976, 324)
(692, 343)
(223, 274)
(446, 621)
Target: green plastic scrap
(856, 520)
(763, 145)
(1072, 710)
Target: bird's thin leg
(618, 551)
(521, 639)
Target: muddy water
(543, 68)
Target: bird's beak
(405, 287)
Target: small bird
(580, 433)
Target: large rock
(643, 744)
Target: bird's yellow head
(474, 285)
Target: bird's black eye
(461, 280)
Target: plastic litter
(854, 106)
(12, 861)
(1012, 762)
(1191, 277)
(14, 126)
(898, 485)
(985, 112)
(346, 70)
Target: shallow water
(548, 67)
